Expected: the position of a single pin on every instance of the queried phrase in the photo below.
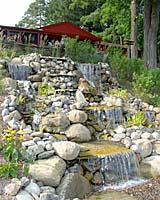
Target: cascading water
(19, 72)
(92, 73)
(108, 117)
(118, 171)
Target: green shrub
(123, 68)
(147, 86)
(82, 51)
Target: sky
(11, 11)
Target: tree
(134, 29)
(59, 11)
(35, 16)
(151, 25)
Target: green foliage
(45, 89)
(136, 120)
(81, 51)
(122, 93)
(20, 99)
(9, 170)
(147, 86)
(11, 149)
(124, 68)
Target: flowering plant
(11, 145)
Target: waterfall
(116, 169)
(19, 72)
(92, 73)
(110, 116)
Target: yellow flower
(3, 137)
(13, 131)
(21, 131)
(21, 137)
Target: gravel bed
(147, 191)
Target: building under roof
(69, 29)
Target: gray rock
(33, 188)
(78, 132)
(16, 61)
(15, 114)
(49, 196)
(77, 116)
(120, 130)
(135, 135)
(150, 166)
(28, 143)
(80, 100)
(37, 134)
(5, 112)
(42, 143)
(13, 188)
(49, 146)
(9, 83)
(118, 137)
(46, 154)
(127, 142)
(146, 135)
(46, 189)
(144, 146)
(156, 135)
(55, 122)
(73, 185)
(11, 108)
(49, 171)
(6, 118)
(66, 150)
(156, 147)
(24, 181)
(35, 150)
(23, 195)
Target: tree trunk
(151, 25)
(134, 48)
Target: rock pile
(57, 108)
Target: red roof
(69, 29)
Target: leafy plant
(81, 51)
(45, 89)
(11, 148)
(9, 170)
(138, 120)
(146, 86)
(20, 99)
(124, 68)
(118, 93)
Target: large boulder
(156, 147)
(78, 133)
(144, 147)
(55, 122)
(49, 171)
(66, 150)
(9, 83)
(150, 166)
(77, 116)
(73, 185)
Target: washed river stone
(73, 185)
(77, 116)
(78, 133)
(66, 150)
(48, 171)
